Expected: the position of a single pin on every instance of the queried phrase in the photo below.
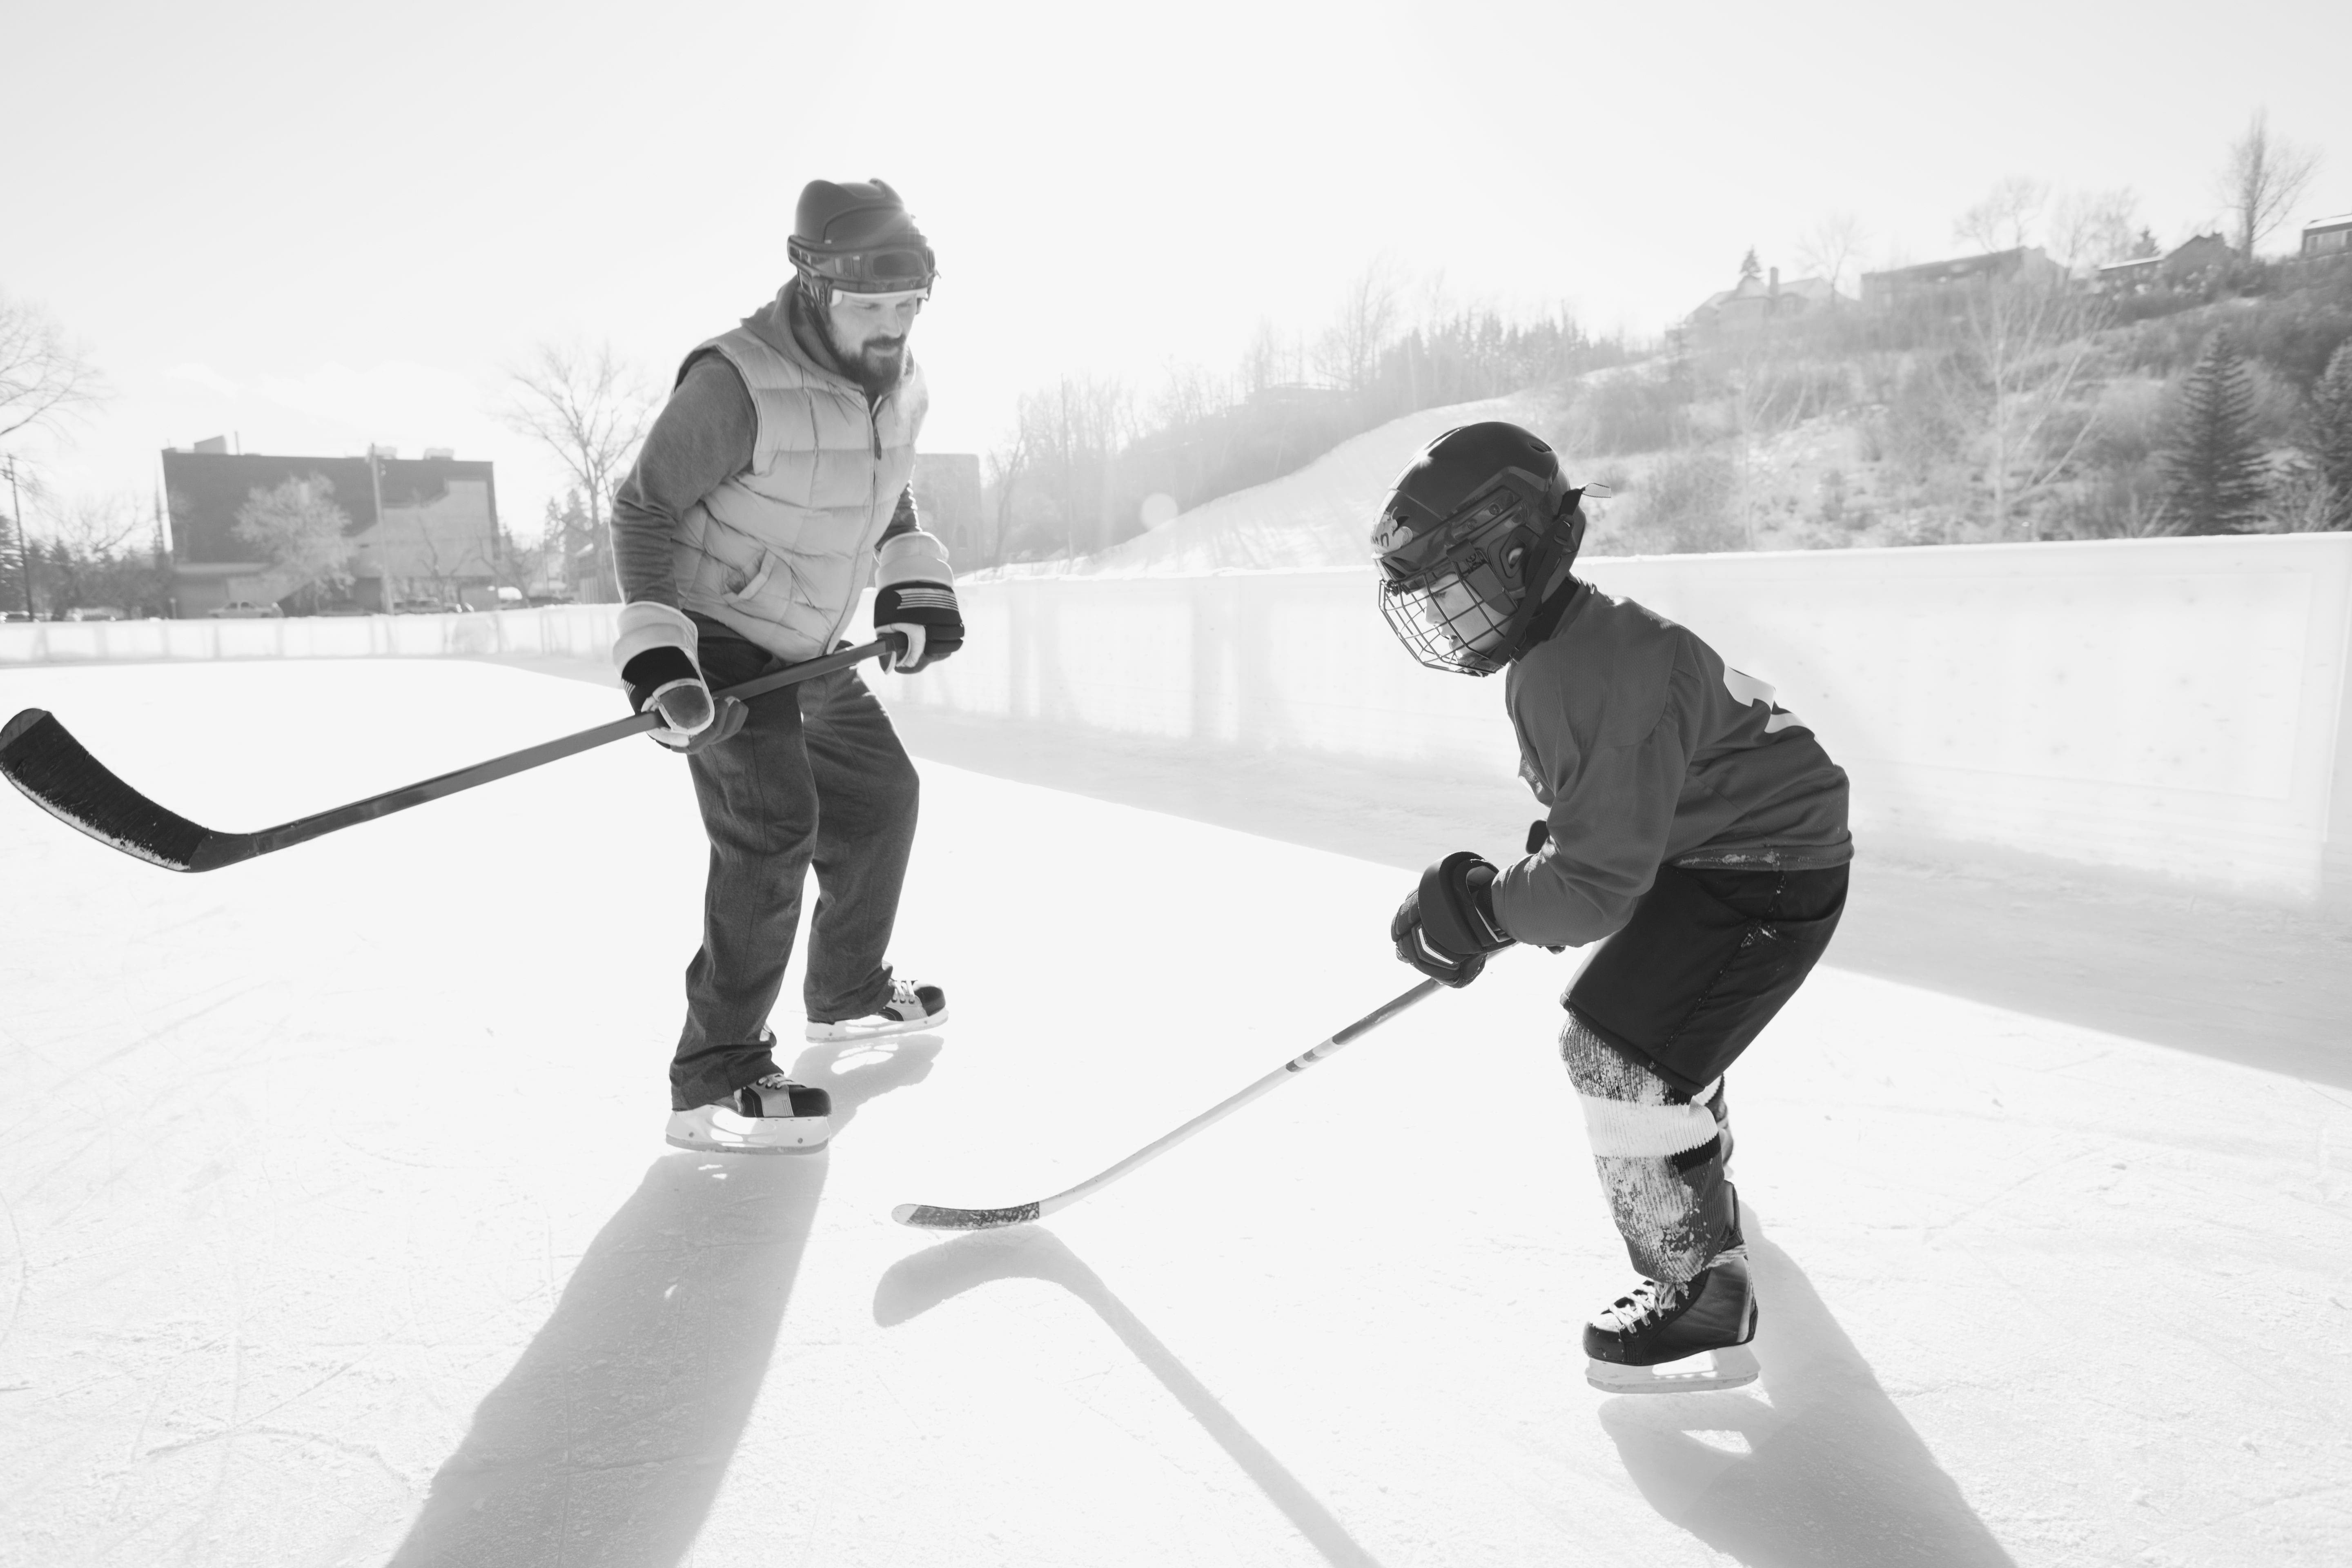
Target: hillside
(1320, 516)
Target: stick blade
(57, 773)
(925, 1217)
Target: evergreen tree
(1751, 269)
(2211, 463)
(2331, 432)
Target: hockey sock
(1659, 1154)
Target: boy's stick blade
(924, 1216)
(57, 773)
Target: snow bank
(1317, 516)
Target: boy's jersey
(1645, 749)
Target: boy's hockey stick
(930, 1218)
(41, 757)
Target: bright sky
(315, 225)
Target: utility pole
(383, 536)
(24, 539)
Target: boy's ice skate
(911, 1007)
(1676, 1339)
(772, 1116)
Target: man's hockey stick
(930, 1218)
(41, 757)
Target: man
(1697, 827)
(772, 488)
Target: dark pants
(1707, 959)
(819, 782)
(1657, 1018)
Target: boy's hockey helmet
(1475, 530)
(856, 238)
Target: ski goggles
(902, 267)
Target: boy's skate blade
(1731, 1367)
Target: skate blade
(709, 1148)
(688, 1129)
(1732, 1367)
(843, 1033)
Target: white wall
(2176, 706)
(585, 630)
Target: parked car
(11, 617)
(247, 610)
(95, 612)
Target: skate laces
(1644, 1301)
(773, 1081)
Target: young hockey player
(772, 488)
(1693, 824)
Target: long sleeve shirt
(1644, 748)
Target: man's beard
(878, 376)
(877, 379)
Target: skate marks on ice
(1821, 1471)
(916, 1284)
(609, 1440)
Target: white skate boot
(772, 1116)
(911, 1008)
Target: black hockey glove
(924, 618)
(664, 681)
(1446, 927)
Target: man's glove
(1446, 927)
(916, 601)
(656, 653)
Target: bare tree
(1349, 351)
(1006, 465)
(2024, 347)
(2263, 178)
(2090, 228)
(1831, 245)
(44, 378)
(302, 530)
(590, 410)
(2004, 219)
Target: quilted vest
(780, 552)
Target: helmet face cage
(1459, 595)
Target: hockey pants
(1655, 1020)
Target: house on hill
(1938, 279)
(2327, 237)
(2184, 265)
(1756, 302)
(423, 529)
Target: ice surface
(339, 1228)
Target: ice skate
(771, 1116)
(911, 1008)
(1686, 1338)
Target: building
(1937, 279)
(2186, 265)
(423, 529)
(1756, 302)
(2327, 237)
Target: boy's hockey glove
(1446, 927)
(916, 601)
